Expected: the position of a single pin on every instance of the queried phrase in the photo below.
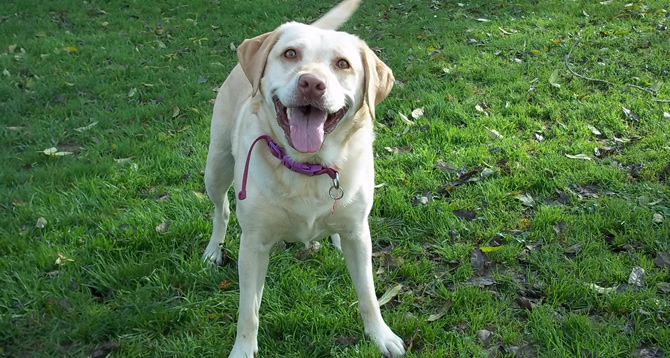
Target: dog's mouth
(306, 126)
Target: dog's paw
(388, 343)
(242, 350)
(214, 257)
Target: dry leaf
(553, 79)
(525, 199)
(175, 111)
(602, 290)
(224, 285)
(389, 294)
(163, 227)
(593, 130)
(124, 160)
(53, 152)
(70, 49)
(636, 277)
(200, 195)
(405, 119)
(579, 156)
(41, 223)
(81, 129)
(417, 113)
(657, 218)
(493, 133)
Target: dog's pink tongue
(306, 127)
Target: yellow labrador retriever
(292, 129)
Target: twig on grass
(648, 90)
(567, 58)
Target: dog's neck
(302, 168)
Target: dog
(292, 130)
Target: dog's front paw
(243, 350)
(213, 256)
(388, 343)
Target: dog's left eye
(290, 53)
(343, 64)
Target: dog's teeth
(288, 112)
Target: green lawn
(127, 88)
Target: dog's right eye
(290, 53)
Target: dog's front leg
(357, 250)
(252, 266)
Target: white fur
(281, 204)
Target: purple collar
(302, 168)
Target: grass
(99, 278)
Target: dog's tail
(338, 15)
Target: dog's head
(314, 79)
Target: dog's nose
(311, 87)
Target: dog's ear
(253, 55)
(378, 79)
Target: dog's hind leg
(219, 175)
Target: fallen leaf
(558, 228)
(648, 352)
(480, 262)
(664, 287)
(574, 249)
(398, 150)
(104, 349)
(593, 130)
(200, 195)
(493, 133)
(579, 156)
(232, 46)
(389, 294)
(525, 199)
(465, 214)
(636, 277)
(630, 114)
(224, 285)
(490, 248)
(657, 218)
(41, 223)
(601, 290)
(484, 337)
(666, 115)
(444, 166)
(61, 260)
(53, 152)
(163, 197)
(405, 119)
(480, 281)
(163, 227)
(124, 160)
(307, 251)
(525, 302)
(175, 111)
(553, 79)
(435, 316)
(662, 260)
(346, 341)
(132, 92)
(81, 129)
(70, 49)
(418, 113)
